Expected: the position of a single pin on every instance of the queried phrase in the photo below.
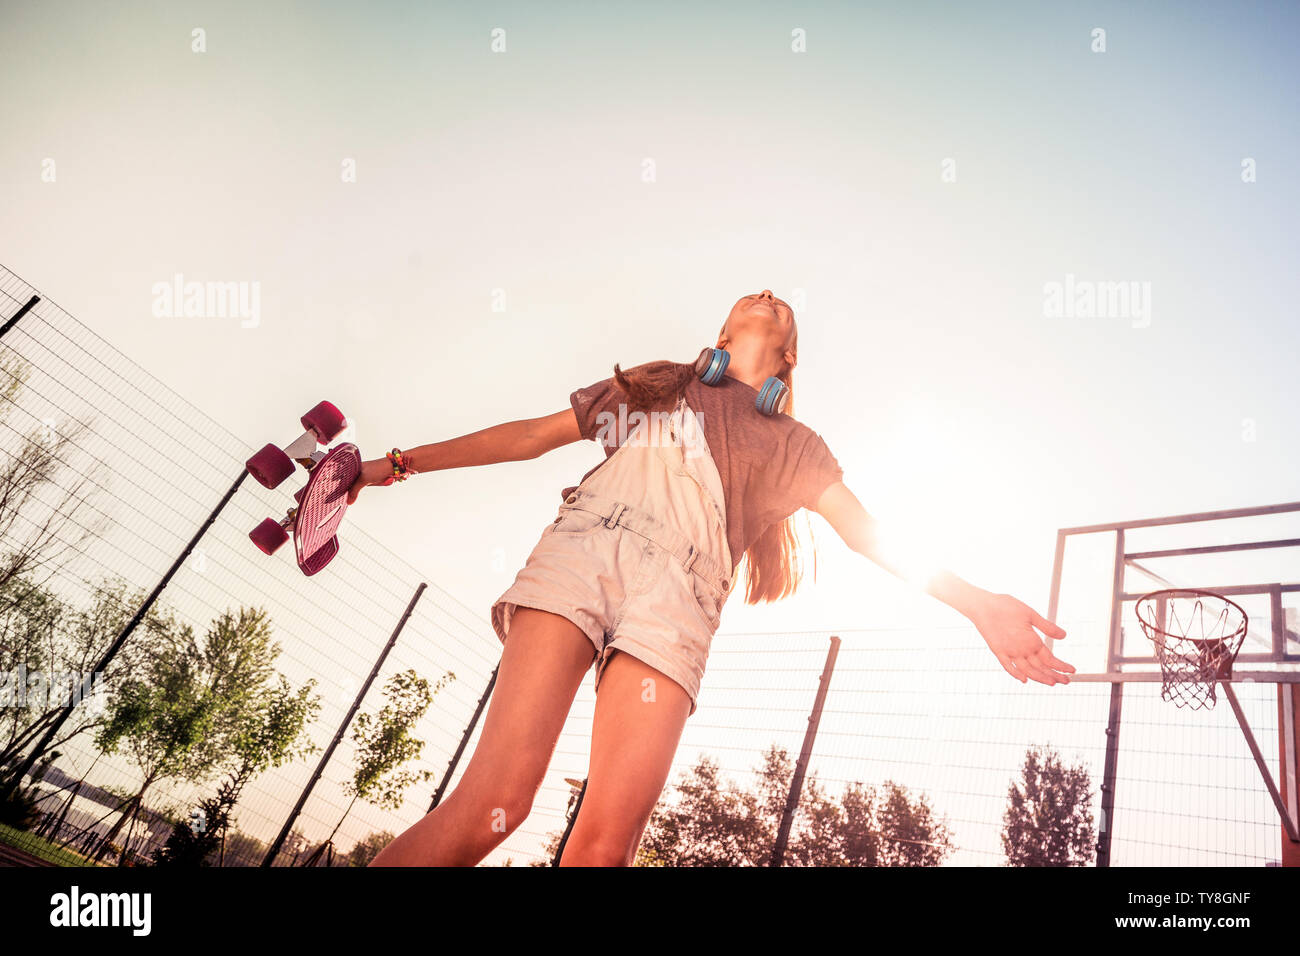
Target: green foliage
(181, 715)
(385, 741)
(18, 809)
(706, 820)
(39, 847)
(29, 621)
(241, 849)
(196, 708)
(271, 729)
(1048, 819)
(269, 732)
(368, 848)
(14, 372)
(47, 484)
(39, 632)
(192, 841)
(712, 822)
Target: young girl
(703, 464)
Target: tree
(708, 821)
(269, 733)
(714, 823)
(47, 483)
(384, 743)
(272, 731)
(827, 833)
(365, 850)
(241, 849)
(1048, 820)
(909, 833)
(183, 717)
(42, 637)
(192, 841)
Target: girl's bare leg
(542, 665)
(634, 736)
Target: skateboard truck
(272, 465)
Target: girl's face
(764, 317)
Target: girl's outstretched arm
(509, 441)
(1007, 625)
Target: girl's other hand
(377, 471)
(1007, 626)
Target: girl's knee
(603, 839)
(581, 851)
(501, 810)
(505, 819)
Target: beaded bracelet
(400, 469)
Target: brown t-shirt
(770, 466)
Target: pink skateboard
(322, 502)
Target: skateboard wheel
(326, 421)
(270, 466)
(269, 535)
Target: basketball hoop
(1197, 635)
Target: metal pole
(1288, 823)
(1288, 729)
(1054, 597)
(139, 615)
(338, 735)
(464, 740)
(568, 827)
(1108, 775)
(1115, 641)
(801, 767)
(18, 315)
(1058, 561)
(1114, 649)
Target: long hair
(773, 569)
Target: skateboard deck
(323, 502)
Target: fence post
(13, 320)
(1115, 650)
(796, 785)
(464, 740)
(575, 804)
(338, 735)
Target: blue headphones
(772, 397)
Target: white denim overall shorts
(637, 556)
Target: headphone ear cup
(772, 397)
(711, 364)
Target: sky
(444, 236)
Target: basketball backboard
(1251, 555)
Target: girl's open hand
(377, 471)
(1007, 626)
